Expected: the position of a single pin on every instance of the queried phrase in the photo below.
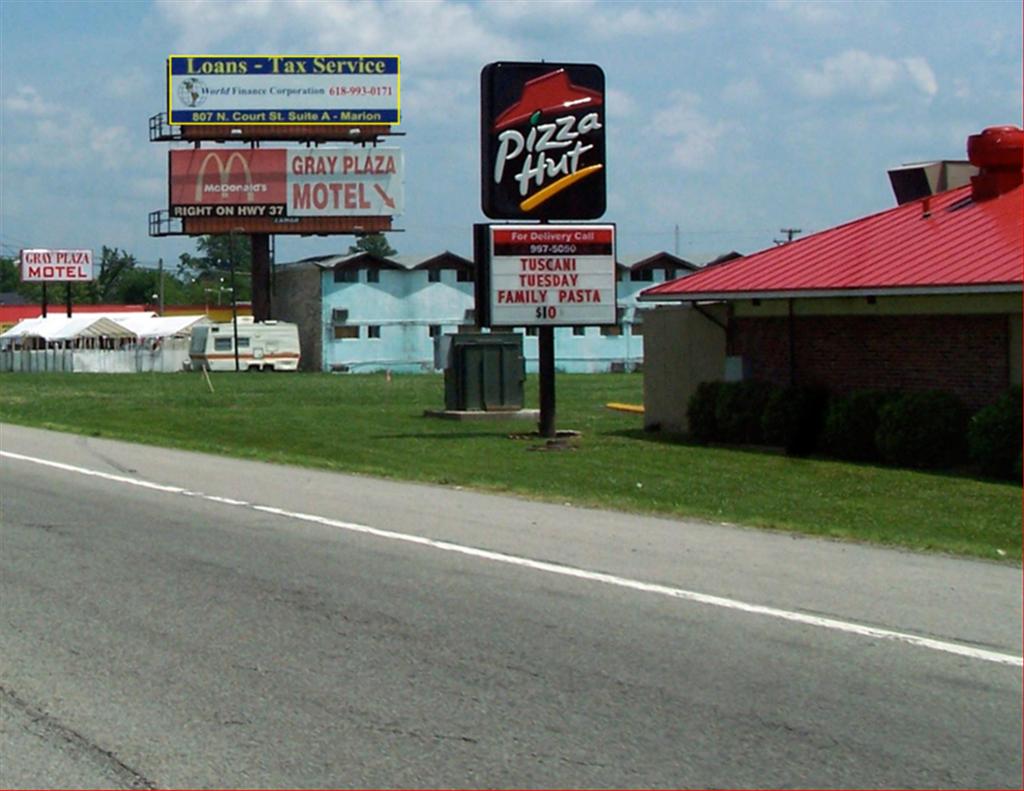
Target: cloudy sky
(726, 121)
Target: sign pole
(546, 349)
(67, 297)
(44, 299)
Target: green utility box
(484, 372)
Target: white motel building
(361, 313)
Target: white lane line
(834, 624)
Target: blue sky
(728, 120)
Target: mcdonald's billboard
(286, 182)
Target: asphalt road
(171, 619)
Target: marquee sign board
(56, 266)
(283, 89)
(549, 275)
(285, 183)
(542, 141)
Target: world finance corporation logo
(192, 92)
(543, 141)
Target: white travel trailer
(262, 346)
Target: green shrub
(926, 429)
(851, 423)
(700, 412)
(994, 437)
(739, 409)
(794, 417)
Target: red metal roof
(947, 243)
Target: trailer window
(222, 344)
(243, 343)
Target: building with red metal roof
(926, 295)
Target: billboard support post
(44, 299)
(260, 245)
(67, 297)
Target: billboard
(542, 141)
(553, 275)
(286, 182)
(60, 266)
(283, 89)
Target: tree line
(200, 278)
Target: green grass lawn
(365, 424)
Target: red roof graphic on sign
(547, 93)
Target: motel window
(465, 276)
(345, 332)
(531, 332)
(670, 273)
(373, 331)
(372, 275)
(642, 275)
(346, 275)
(222, 344)
(434, 330)
(433, 275)
(579, 330)
(614, 330)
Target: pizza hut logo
(543, 141)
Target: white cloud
(693, 137)
(861, 74)
(621, 106)
(811, 12)
(599, 20)
(743, 91)
(922, 75)
(431, 33)
(45, 136)
(27, 101)
(440, 100)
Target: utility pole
(790, 233)
(234, 298)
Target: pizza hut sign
(542, 141)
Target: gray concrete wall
(297, 298)
(682, 348)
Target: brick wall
(967, 355)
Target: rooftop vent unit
(920, 179)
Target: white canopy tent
(64, 329)
(116, 327)
(149, 325)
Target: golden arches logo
(224, 172)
